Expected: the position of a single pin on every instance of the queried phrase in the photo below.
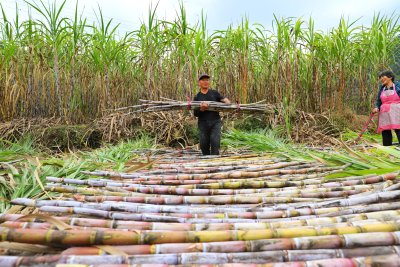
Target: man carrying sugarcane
(209, 122)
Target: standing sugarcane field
(199, 133)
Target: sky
(222, 13)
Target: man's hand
(375, 110)
(225, 100)
(203, 106)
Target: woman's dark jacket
(378, 103)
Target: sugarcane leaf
(15, 209)
(376, 171)
(53, 161)
(26, 247)
(388, 150)
(9, 166)
(317, 158)
(36, 175)
(57, 223)
(112, 250)
(352, 152)
(4, 199)
(141, 166)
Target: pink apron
(389, 112)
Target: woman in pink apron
(388, 106)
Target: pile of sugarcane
(170, 104)
(184, 209)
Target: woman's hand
(375, 110)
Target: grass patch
(361, 172)
(23, 168)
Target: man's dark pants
(210, 136)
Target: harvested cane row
(246, 210)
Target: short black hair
(204, 75)
(388, 74)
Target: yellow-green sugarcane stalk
(176, 200)
(9, 220)
(174, 217)
(294, 215)
(259, 182)
(257, 257)
(204, 226)
(135, 184)
(365, 240)
(298, 194)
(202, 170)
(235, 184)
(276, 177)
(271, 170)
(260, 257)
(179, 213)
(258, 212)
(266, 184)
(115, 237)
(185, 176)
(317, 256)
(316, 193)
(163, 190)
(129, 204)
(160, 183)
(257, 161)
(365, 199)
(124, 203)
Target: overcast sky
(222, 13)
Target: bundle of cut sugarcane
(168, 105)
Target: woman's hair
(388, 74)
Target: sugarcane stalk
(367, 199)
(115, 237)
(331, 222)
(121, 261)
(243, 257)
(161, 189)
(260, 182)
(211, 212)
(155, 106)
(363, 240)
(177, 200)
(258, 160)
(212, 184)
(189, 176)
(9, 220)
(208, 227)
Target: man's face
(204, 83)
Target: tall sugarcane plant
(77, 70)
